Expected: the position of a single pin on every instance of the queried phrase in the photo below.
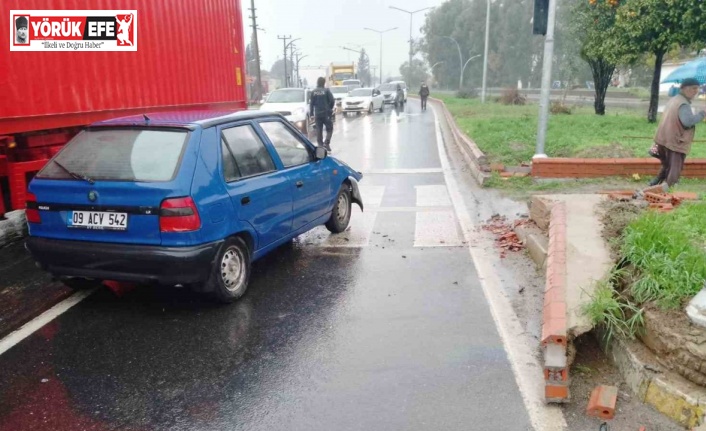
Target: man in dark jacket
(321, 107)
(423, 94)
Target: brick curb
(595, 168)
(13, 228)
(475, 158)
(554, 322)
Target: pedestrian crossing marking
(433, 196)
(358, 233)
(372, 195)
(436, 229)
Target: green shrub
(467, 93)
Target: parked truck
(187, 56)
(339, 72)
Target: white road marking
(357, 235)
(433, 196)
(403, 171)
(519, 347)
(436, 229)
(408, 209)
(38, 322)
(372, 195)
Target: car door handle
(300, 184)
(245, 200)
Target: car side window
(244, 154)
(290, 149)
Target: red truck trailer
(187, 55)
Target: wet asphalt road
(384, 327)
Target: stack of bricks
(598, 168)
(554, 326)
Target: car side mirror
(321, 153)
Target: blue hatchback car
(185, 198)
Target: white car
(404, 88)
(352, 83)
(340, 92)
(363, 100)
(389, 91)
(293, 104)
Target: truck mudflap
(355, 192)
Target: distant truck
(339, 72)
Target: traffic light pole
(546, 82)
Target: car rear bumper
(124, 262)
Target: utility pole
(485, 57)
(256, 46)
(284, 40)
(546, 82)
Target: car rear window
(120, 155)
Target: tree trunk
(654, 91)
(602, 72)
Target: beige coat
(671, 133)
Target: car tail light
(179, 215)
(32, 209)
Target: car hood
(388, 93)
(358, 99)
(280, 107)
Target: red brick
(554, 331)
(602, 402)
(556, 393)
(686, 196)
(554, 295)
(497, 167)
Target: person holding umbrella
(675, 133)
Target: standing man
(321, 107)
(676, 133)
(423, 94)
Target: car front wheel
(341, 214)
(231, 271)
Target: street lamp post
(298, 60)
(460, 59)
(411, 41)
(381, 32)
(463, 69)
(359, 52)
(286, 78)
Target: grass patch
(614, 312)
(668, 252)
(507, 134)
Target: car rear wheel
(231, 271)
(341, 214)
(305, 127)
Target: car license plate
(97, 220)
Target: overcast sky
(326, 25)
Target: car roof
(186, 119)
